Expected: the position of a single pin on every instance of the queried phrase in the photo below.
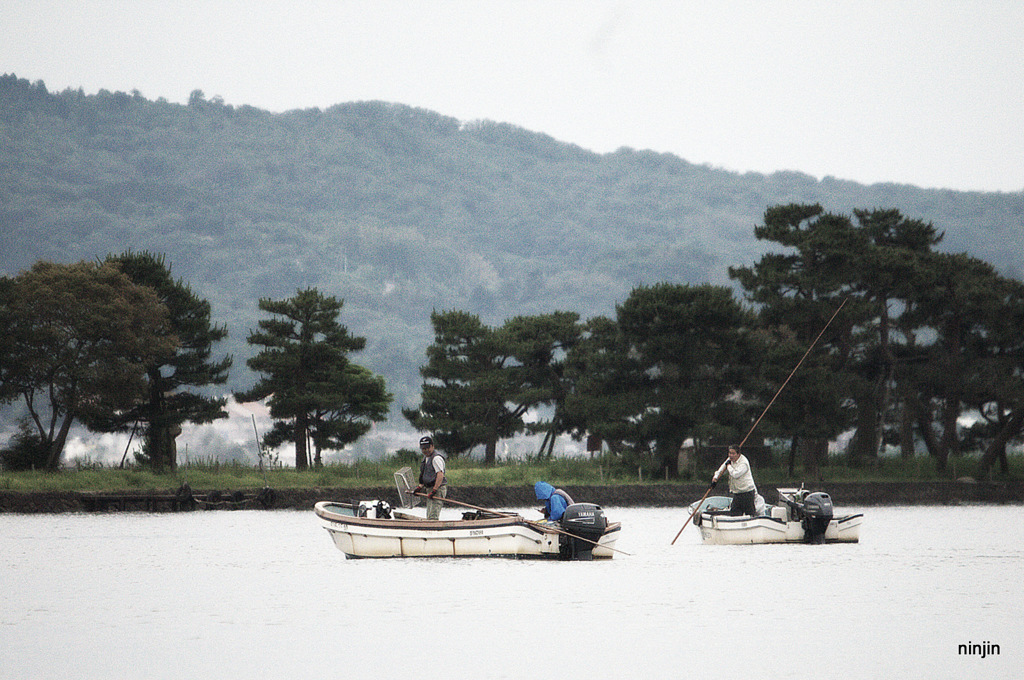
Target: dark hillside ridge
(400, 211)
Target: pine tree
(170, 402)
(468, 394)
(665, 370)
(313, 391)
(540, 346)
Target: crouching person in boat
(432, 479)
(741, 483)
(555, 500)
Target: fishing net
(404, 483)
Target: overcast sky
(928, 93)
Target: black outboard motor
(586, 523)
(817, 513)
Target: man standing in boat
(741, 483)
(432, 477)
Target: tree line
(119, 346)
(923, 339)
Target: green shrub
(27, 450)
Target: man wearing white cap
(432, 477)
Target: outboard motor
(817, 513)
(586, 523)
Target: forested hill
(399, 211)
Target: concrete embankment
(627, 495)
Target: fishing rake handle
(538, 525)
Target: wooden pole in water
(696, 509)
(756, 422)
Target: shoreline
(627, 495)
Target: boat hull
(512, 536)
(716, 529)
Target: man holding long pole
(737, 448)
(432, 477)
(741, 483)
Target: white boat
(373, 529)
(799, 517)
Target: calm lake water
(256, 594)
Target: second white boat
(799, 517)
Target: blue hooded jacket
(556, 502)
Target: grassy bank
(357, 475)
(563, 472)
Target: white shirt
(740, 478)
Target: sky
(926, 93)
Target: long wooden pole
(542, 527)
(466, 505)
(793, 372)
(132, 435)
(696, 509)
(751, 430)
(259, 450)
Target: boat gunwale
(733, 519)
(442, 525)
(731, 526)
